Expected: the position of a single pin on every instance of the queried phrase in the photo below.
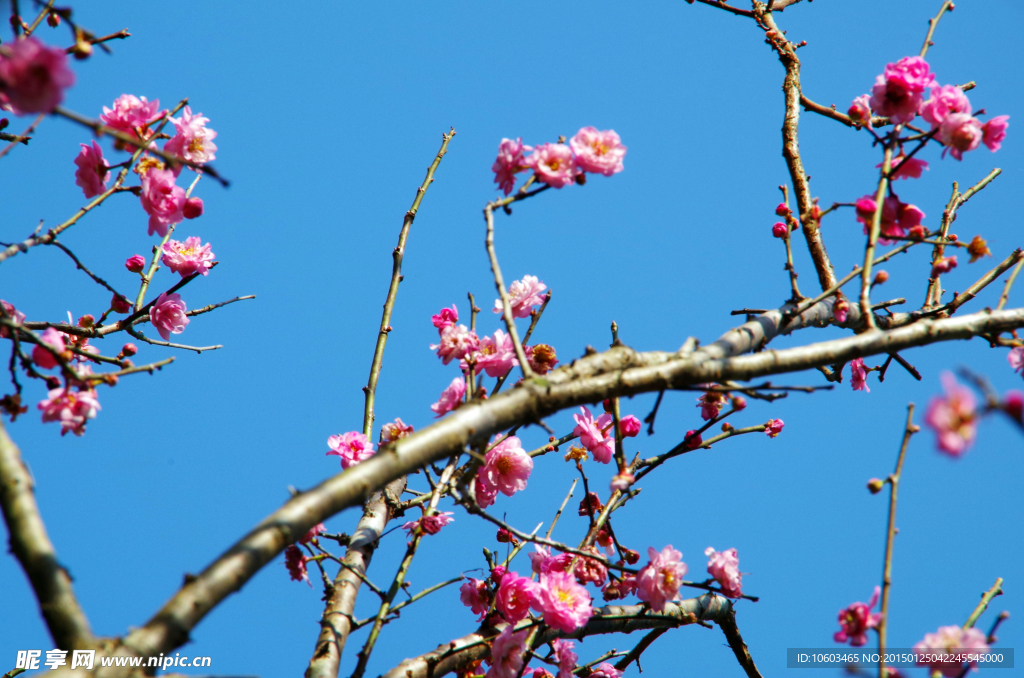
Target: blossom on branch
(353, 447)
(856, 620)
(897, 217)
(950, 640)
(725, 568)
(859, 375)
(193, 141)
(961, 132)
(445, 318)
(71, 408)
(457, 341)
(860, 111)
(711, 404)
(451, 398)
(598, 152)
(475, 595)
(131, 114)
(897, 93)
(496, 355)
(189, 257)
(605, 670)
(516, 595)
(507, 467)
(564, 603)
(994, 132)
(168, 315)
(594, 434)
(55, 340)
(428, 524)
(1016, 358)
(295, 561)
(953, 417)
(523, 295)
(659, 581)
(943, 265)
(906, 168)
(542, 357)
(565, 656)
(92, 174)
(507, 654)
(773, 427)
(395, 430)
(33, 77)
(313, 533)
(630, 426)
(944, 100)
(542, 562)
(162, 199)
(135, 263)
(509, 163)
(553, 164)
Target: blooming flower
(725, 568)
(590, 570)
(33, 77)
(353, 447)
(429, 524)
(994, 132)
(71, 408)
(542, 358)
(523, 295)
(189, 257)
(167, 314)
(91, 175)
(961, 132)
(456, 342)
(565, 657)
(944, 100)
(593, 434)
(162, 200)
(553, 164)
(598, 152)
(897, 217)
(659, 581)
(516, 595)
(445, 318)
(395, 430)
(507, 654)
(605, 670)
(943, 265)
(135, 263)
(295, 561)
(710, 404)
(617, 589)
(484, 490)
(860, 110)
(194, 140)
(859, 375)
(906, 168)
(630, 426)
(44, 358)
(950, 640)
(475, 595)
(898, 91)
(564, 603)
(509, 163)
(774, 427)
(542, 562)
(1016, 358)
(450, 398)
(496, 356)
(954, 417)
(313, 533)
(855, 620)
(131, 113)
(507, 466)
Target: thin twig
(499, 282)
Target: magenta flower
(859, 375)
(780, 230)
(295, 561)
(135, 263)
(53, 339)
(725, 568)
(542, 562)
(91, 175)
(659, 581)
(395, 430)
(860, 110)
(553, 164)
(897, 217)
(508, 467)
(961, 132)
(710, 404)
(509, 163)
(856, 620)
(605, 670)
(564, 603)
(189, 257)
(1016, 358)
(484, 490)
(598, 152)
(475, 595)
(943, 265)
(840, 310)
(994, 132)
(131, 114)
(594, 434)
(908, 168)
(162, 200)
(566, 658)
(429, 524)
(445, 318)
(120, 304)
(944, 100)
(950, 640)
(507, 654)
(353, 447)
(193, 208)
(167, 314)
(194, 140)
(33, 77)
(451, 398)
(693, 440)
(516, 595)
(774, 427)
(456, 342)
(71, 408)
(523, 295)
(590, 570)
(1013, 405)
(542, 357)
(496, 356)
(630, 426)
(313, 533)
(898, 91)
(954, 417)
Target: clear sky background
(327, 116)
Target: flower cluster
(558, 165)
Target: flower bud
(52, 382)
(120, 304)
(917, 232)
(193, 208)
(726, 427)
(739, 402)
(504, 536)
(86, 320)
(4, 122)
(590, 504)
(630, 426)
(875, 485)
(881, 278)
(622, 482)
(607, 404)
(780, 230)
(53, 19)
(1013, 405)
(129, 349)
(782, 210)
(135, 263)
(631, 556)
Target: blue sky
(327, 118)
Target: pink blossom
(622, 482)
(429, 524)
(598, 152)
(943, 265)
(456, 342)
(135, 263)
(617, 589)
(395, 430)
(710, 404)
(954, 417)
(71, 408)
(507, 654)
(856, 620)
(564, 603)
(909, 168)
(944, 100)
(445, 318)
(516, 595)
(593, 434)
(353, 447)
(475, 595)
(189, 257)
(120, 304)
(860, 110)
(659, 581)
(961, 132)
(539, 672)
(295, 561)
(542, 357)
(8, 311)
(840, 310)
(131, 113)
(313, 533)
(33, 77)
(1013, 405)
(484, 490)
(994, 132)
(951, 640)
(91, 175)
(450, 398)
(898, 91)
(630, 426)
(897, 217)
(542, 562)
(780, 230)
(507, 466)
(162, 200)
(1016, 358)
(692, 440)
(193, 208)
(44, 358)
(590, 570)
(167, 314)
(523, 295)
(605, 670)
(774, 427)
(725, 568)
(194, 140)
(565, 657)
(496, 356)
(553, 164)
(509, 163)
(859, 375)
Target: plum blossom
(429, 524)
(507, 466)
(630, 426)
(897, 217)
(565, 657)
(725, 568)
(445, 318)
(456, 342)
(859, 375)
(475, 595)
(516, 595)
(496, 355)
(860, 110)
(961, 132)
(53, 339)
(978, 248)
(659, 581)
(8, 311)
(951, 640)
(856, 620)
(135, 263)
(162, 199)
(131, 113)
(542, 562)
(509, 163)
(395, 430)
(944, 100)
(617, 589)
(773, 427)
(710, 404)
(193, 208)
(553, 164)
(484, 490)
(523, 295)
(1016, 358)
(91, 175)
(994, 132)
(542, 357)
(692, 440)
(189, 257)
(71, 408)
(954, 417)
(353, 447)
(564, 604)
(313, 533)
(605, 670)
(33, 77)
(897, 93)
(906, 168)
(120, 304)
(450, 398)
(780, 230)
(194, 140)
(590, 570)
(167, 314)
(622, 482)
(295, 561)
(593, 434)
(507, 654)
(598, 152)
(943, 265)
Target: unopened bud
(952, 237)
(129, 349)
(52, 382)
(53, 19)
(4, 122)
(86, 320)
(881, 278)
(632, 557)
(193, 208)
(875, 485)
(917, 232)
(783, 210)
(780, 230)
(581, 178)
(120, 304)
(726, 427)
(135, 263)
(607, 404)
(739, 402)
(82, 50)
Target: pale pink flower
(542, 562)
(33, 77)
(944, 100)
(8, 311)
(313, 533)
(496, 355)
(954, 417)
(909, 168)
(594, 434)
(135, 263)
(167, 314)
(194, 140)
(507, 654)
(395, 430)
(897, 217)
(451, 398)
(659, 581)
(943, 265)
(598, 152)
(516, 595)
(605, 670)
(711, 404)
(774, 427)
(162, 199)
(71, 408)
(951, 640)
(509, 163)
(445, 318)
(295, 561)
(856, 620)
(484, 490)
(622, 482)
(860, 110)
(564, 603)
(859, 375)
(542, 357)
(994, 132)
(590, 570)
(898, 91)
(961, 132)
(780, 230)
(53, 339)
(630, 426)
(456, 342)
(91, 175)
(131, 113)
(475, 595)
(725, 568)
(1016, 358)
(553, 164)
(507, 466)
(353, 447)
(523, 295)
(429, 524)
(189, 257)
(565, 657)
